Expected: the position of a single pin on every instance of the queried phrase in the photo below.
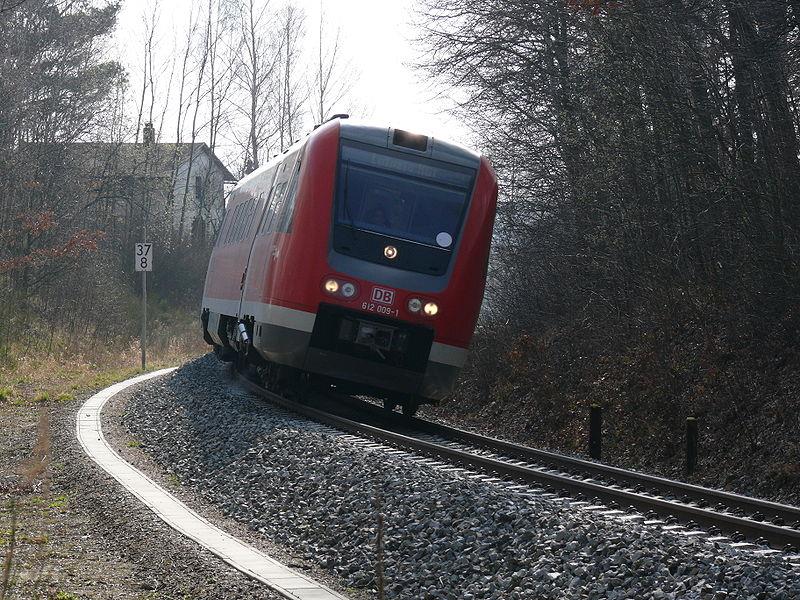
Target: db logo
(382, 295)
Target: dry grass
(33, 478)
(70, 366)
(34, 468)
(40, 370)
(8, 561)
(34, 380)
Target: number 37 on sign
(143, 257)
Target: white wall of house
(201, 184)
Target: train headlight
(342, 289)
(390, 252)
(348, 290)
(431, 308)
(415, 305)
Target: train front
(409, 243)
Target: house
(178, 187)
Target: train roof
(384, 137)
(271, 163)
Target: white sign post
(143, 262)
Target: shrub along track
(653, 500)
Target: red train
(357, 257)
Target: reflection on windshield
(402, 197)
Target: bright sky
(377, 37)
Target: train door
(252, 274)
(281, 226)
(255, 290)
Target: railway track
(743, 521)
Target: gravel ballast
(446, 535)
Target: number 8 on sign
(143, 257)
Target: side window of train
(234, 221)
(248, 218)
(258, 206)
(241, 224)
(251, 213)
(226, 227)
(237, 223)
(226, 223)
(275, 206)
(267, 212)
(291, 197)
(261, 218)
(227, 219)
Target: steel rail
(687, 492)
(775, 534)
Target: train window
(418, 203)
(261, 206)
(238, 223)
(248, 220)
(242, 225)
(267, 208)
(232, 227)
(226, 227)
(285, 224)
(275, 207)
(226, 221)
(410, 140)
(248, 224)
(419, 200)
(257, 212)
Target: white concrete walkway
(177, 515)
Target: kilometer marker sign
(143, 257)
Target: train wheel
(224, 354)
(299, 387)
(241, 361)
(410, 407)
(271, 376)
(280, 379)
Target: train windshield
(401, 196)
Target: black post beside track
(595, 431)
(694, 504)
(691, 444)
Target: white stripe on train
(302, 320)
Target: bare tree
(648, 159)
(194, 132)
(222, 55)
(54, 89)
(150, 22)
(333, 78)
(291, 87)
(256, 102)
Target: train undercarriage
(237, 348)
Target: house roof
(132, 158)
(215, 159)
